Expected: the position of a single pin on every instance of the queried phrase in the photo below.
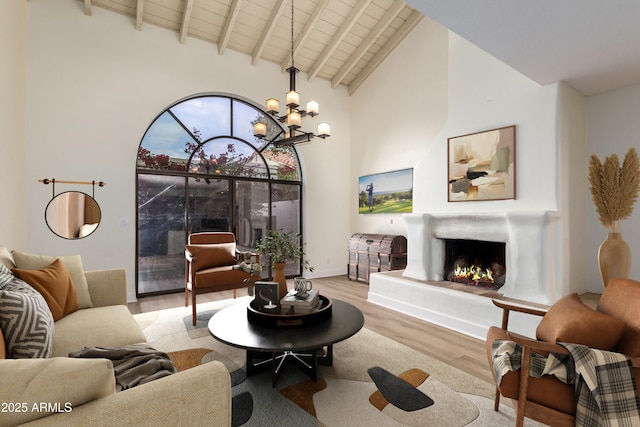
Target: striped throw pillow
(26, 321)
(5, 276)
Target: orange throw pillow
(570, 320)
(55, 285)
(212, 255)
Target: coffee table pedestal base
(307, 362)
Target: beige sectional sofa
(81, 392)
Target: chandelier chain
(292, 63)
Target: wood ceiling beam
(232, 18)
(376, 32)
(139, 14)
(87, 7)
(397, 37)
(304, 34)
(348, 23)
(276, 12)
(186, 19)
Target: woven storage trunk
(370, 253)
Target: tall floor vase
(614, 258)
(278, 276)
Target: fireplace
(475, 262)
(532, 264)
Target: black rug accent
(238, 376)
(397, 391)
(241, 408)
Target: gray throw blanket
(132, 364)
(605, 385)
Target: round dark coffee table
(271, 348)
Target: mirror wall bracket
(53, 181)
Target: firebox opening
(475, 262)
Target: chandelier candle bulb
(293, 99)
(273, 106)
(260, 130)
(324, 130)
(293, 119)
(312, 108)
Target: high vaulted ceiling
(342, 41)
(593, 45)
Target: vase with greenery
(281, 247)
(614, 190)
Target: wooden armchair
(613, 326)
(545, 399)
(211, 265)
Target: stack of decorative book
(292, 303)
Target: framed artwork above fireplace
(482, 165)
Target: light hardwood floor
(461, 351)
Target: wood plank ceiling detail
(342, 41)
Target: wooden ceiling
(342, 41)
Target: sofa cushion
(109, 327)
(215, 255)
(65, 382)
(570, 320)
(26, 321)
(55, 285)
(5, 258)
(223, 278)
(620, 300)
(72, 262)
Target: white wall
(396, 115)
(94, 86)
(613, 126)
(484, 94)
(13, 67)
(470, 91)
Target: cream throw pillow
(73, 263)
(5, 258)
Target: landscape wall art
(388, 192)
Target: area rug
(373, 381)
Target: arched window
(199, 168)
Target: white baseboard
(325, 273)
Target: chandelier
(294, 114)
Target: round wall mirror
(73, 215)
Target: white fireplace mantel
(532, 261)
(530, 248)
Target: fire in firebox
(474, 273)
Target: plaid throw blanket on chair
(605, 385)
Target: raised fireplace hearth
(531, 263)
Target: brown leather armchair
(211, 265)
(613, 326)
